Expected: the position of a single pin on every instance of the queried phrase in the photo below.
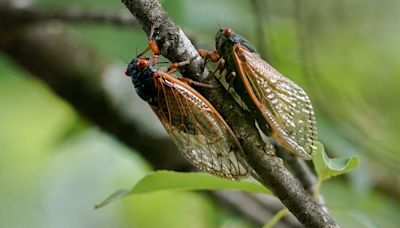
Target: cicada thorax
(198, 130)
(231, 75)
(274, 100)
(143, 80)
(163, 93)
(237, 88)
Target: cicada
(195, 126)
(283, 105)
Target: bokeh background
(55, 165)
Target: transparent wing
(198, 130)
(285, 105)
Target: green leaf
(327, 167)
(170, 180)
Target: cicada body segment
(142, 79)
(198, 130)
(284, 105)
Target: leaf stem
(276, 218)
(317, 189)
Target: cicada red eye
(285, 107)
(227, 32)
(142, 63)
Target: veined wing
(198, 130)
(284, 104)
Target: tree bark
(175, 46)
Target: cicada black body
(197, 129)
(284, 106)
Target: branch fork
(175, 46)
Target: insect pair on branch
(281, 108)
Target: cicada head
(141, 71)
(226, 38)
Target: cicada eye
(227, 32)
(127, 73)
(142, 63)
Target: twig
(303, 173)
(250, 207)
(274, 205)
(176, 47)
(36, 14)
(75, 73)
(78, 75)
(276, 218)
(298, 167)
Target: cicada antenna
(123, 59)
(219, 25)
(151, 44)
(142, 53)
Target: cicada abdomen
(284, 105)
(198, 130)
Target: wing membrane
(198, 130)
(284, 104)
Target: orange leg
(174, 66)
(213, 56)
(152, 44)
(220, 68)
(196, 83)
(208, 55)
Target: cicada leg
(196, 83)
(220, 68)
(174, 67)
(213, 56)
(152, 44)
(208, 55)
(263, 126)
(230, 78)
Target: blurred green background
(54, 165)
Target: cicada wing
(284, 104)
(198, 130)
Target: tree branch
(60, 61)
(298, 167)
(176, 47)
(81, 77)
(250, 207)
(75, 73)
(36, 14)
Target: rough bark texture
(77, 74)
(74, 73)
(176, 47)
